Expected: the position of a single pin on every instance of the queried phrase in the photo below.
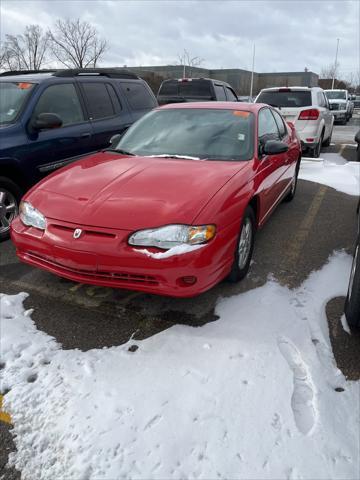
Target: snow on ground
(334, 171)
(249, 396)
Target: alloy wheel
(245, 243)
(8, 209)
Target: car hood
(126, 192)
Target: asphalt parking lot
(293, 243)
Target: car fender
(10, 167)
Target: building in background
(239, 79)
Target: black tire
(10, 194)
(290, 196)
(239, 268)
(315, 152)
(328, 140)
(352, 303)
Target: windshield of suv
(12, 98)
(205, 134)
(334, 95)
(286, 98)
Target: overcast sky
(289, 35)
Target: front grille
(85, 231)
(116, 277)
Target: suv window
(219, 92)
(195, 88)
(286, 98)
(99, 101)
(267, 126)
(321, 100)
(280, 123)
(63, 100)
(138, 96)
(230, 95)
(13, 96)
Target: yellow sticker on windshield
(24, 85)
(241, 113)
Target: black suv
(49, 119)
(195, 90)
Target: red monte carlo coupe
(172, 208)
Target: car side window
(280, 124)
(219, 92)
(230, 95)
(138, 96)
(63, 100)
(321, 100)
(267, 127)
(99, 102)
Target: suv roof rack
(106, 72)
(25, 72)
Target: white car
(340, 104)
(308, 109)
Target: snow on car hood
(129, 193)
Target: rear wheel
(328, 140)
(352, 303)
(244, 247)
(10, 195)
(315, 152)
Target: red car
(172, 208)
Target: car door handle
(85, 135)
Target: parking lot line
(295, 247)
(4, 417)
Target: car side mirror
(274, 147)
(357, 137)
(115, 139)
(46, 121)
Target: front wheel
(352, 303)
(10, 195)
(244, 247)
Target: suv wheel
(315, 152)
(10, 195)
(352, 304)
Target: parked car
(340, 105)
(352, 302)
(172, 208)
(50, 119)
(357, 101)
(308, 109)
(194, 90)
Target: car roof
(186, 80)
(248, 107)
(29, 78)
(276, 89)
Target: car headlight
(173, 235)
(31, 217)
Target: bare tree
(329, 71)
(26, 51)
(188, 62)
(76, 44)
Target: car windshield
(12, 98)
(334, 95)
(205, 134)
(286, 98)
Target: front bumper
(103, 257)
(339, 114)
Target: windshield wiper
(119, 151)
(169, 155)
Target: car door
(53, 148)
(108, 116)
(271, 167)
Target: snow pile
(334, 172)
(250, 396)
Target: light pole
(335, 65)
(252, 73)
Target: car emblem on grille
(77, 233)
